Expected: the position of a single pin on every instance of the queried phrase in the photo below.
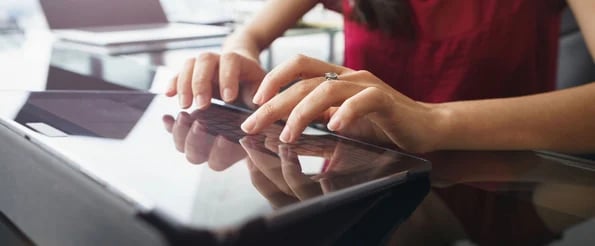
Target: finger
(269, 190)
(268, 164)
(198, 144)
(233, 68)
(185, 83)
(202, 78)
(301, 67)
(329, 93)
(251, 76)
(168, 122)
(224, 153)
(363, 103)
(229, 76)
(301, 185)
(172, 88)
(180, 130)
(278, 107)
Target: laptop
(121, 22)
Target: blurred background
(575, 66)
(26, 15)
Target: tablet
(195, 171)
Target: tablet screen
(196, 166)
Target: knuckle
(364, 73)
(298, 116)
(229, 56)
(190, 62)
(200, 89)
(299, 60)
(207, 57)
(303, 87)
(268, 110)
(184, 86)
(199, 79)
(227, 75)
(374, 92)
(347, 109)
(328, 87)
(200, 82)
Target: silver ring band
(331, 76)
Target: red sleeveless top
(462, 49)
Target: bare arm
(362, 106)
(268, 24)
(561, 121)
(584, 11)
(209, 74)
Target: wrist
(240, 44)
(442, 124)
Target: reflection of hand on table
(191, 138)
(276, 170)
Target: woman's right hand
(210, 75)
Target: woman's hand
(214, 73)
(357, 104)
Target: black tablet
(194, 172)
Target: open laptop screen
(73, 14)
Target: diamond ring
(331, 76)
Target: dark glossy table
(469, 198)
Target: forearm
(560, 121)
(268, 24)
(583, 12)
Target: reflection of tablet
(119, 141)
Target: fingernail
(334, 124)
(285, 135)
(248, 124)
(201, 101)
(257, 99)
(227, 94)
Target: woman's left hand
(356, 104)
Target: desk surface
(493, 198)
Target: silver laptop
(119, 22)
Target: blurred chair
(575, 64)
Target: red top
(463, 49)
